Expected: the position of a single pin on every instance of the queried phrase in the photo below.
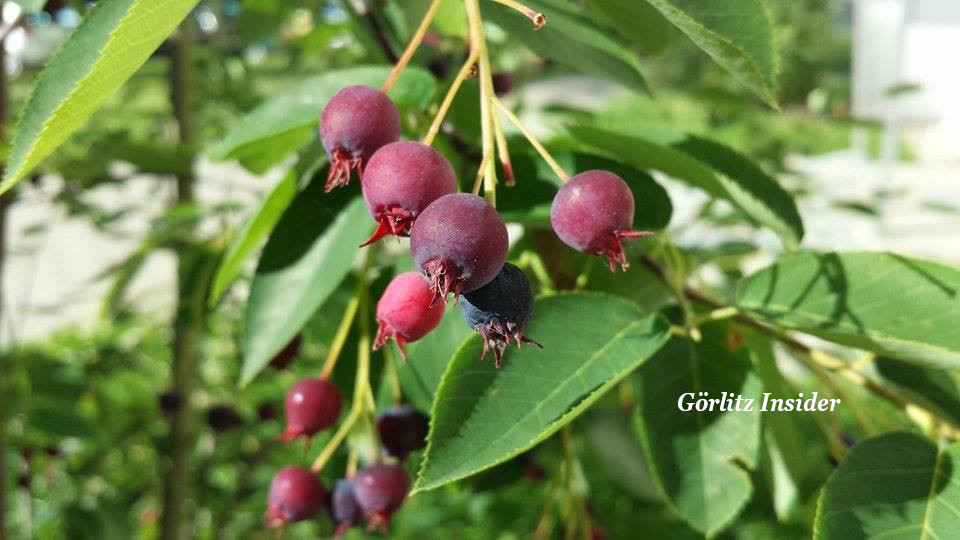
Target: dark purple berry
(285, 357)
(356, 122)
(169, 401)
(502, 82)
(380, 490)
(593, 213)
(26, 453)
(499, 310)
(400, 181)
(24, 481)
(223, 418)
(267, 412)
(312, 406)
(402, 429)
(295, 494)
(52, 451)
(459, 243)
(406, 311)
(344, 508)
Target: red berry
(344, 508)
(380, 489)
(460, 243)
(295, 494)
(402, 430)
(356, 122)
(400, 181)
(593, 212)
(405, 312)
(286, 355)
(312, 405)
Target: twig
(533, 141)
(448, 99)
(413, 45)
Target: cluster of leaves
(619, 351)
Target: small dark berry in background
(439, 67)
(500, 310)
(267, 412)
(502, 82)
(402, 430)
(459, 243)
(356, 122)
(169, 401)
(344, 508)
(26, 453)
(406, 311)
(52, 451)
(593, 213)
(295, 494)
(24, 481)
(223, 418)
(312, 405)
(380, 490)
(285, 357)
(400, 181)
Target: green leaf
(428, 358)
(482, 416)
(102, 53)
(737, 34)
(308, 254)
(256, 228)
(571, 39)
(936, 388)
(719, 170)
(897, 485)
(892, 305)
(285, 121)
(700, 459)
(638, 22)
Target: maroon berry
(295, 495)
(593, 213)
(406, 311)
(24, 481)
(286, 355)
(312, 405)
(356, 122)
(267, 412)
(460, 243)
(380, 489)
(344, 508)
(500, 310)
(402, 430)
(169, 401)
(400, 181)
(223, 418)
(502, 82)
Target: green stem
(415, 40)
(190, 311)
(478, 43)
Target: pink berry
(400, 181)
(460, 243)
(356, 122)
(295, 495)
(593, 213)
(406, 312)
(380, 490)
(312, 406)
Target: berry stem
(478, 43)
(535, 16)
(504, 151)
(448, 99)
(393, 377)
(478, 182)
(533, 260)
(534, 141)
(340, 338)
(412, 46)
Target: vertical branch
(4, 203)
(188, 320)
(478, 42)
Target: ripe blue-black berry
(312, 405)
(402, 430)
(499, 310)
(400, 181)
(406, 312)
(295, 494)
(344, 508)
(380, 490)
(593, 213)
(356, 122)
(459, 243)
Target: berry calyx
(402, 430)
(405, 312)
(344, 509)
(285, 357)
(312, 405)
(400, 181)
(499, 311)
(459, 243)
(593, 213)
(380, 490)
(295, 495)
(355, 123)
